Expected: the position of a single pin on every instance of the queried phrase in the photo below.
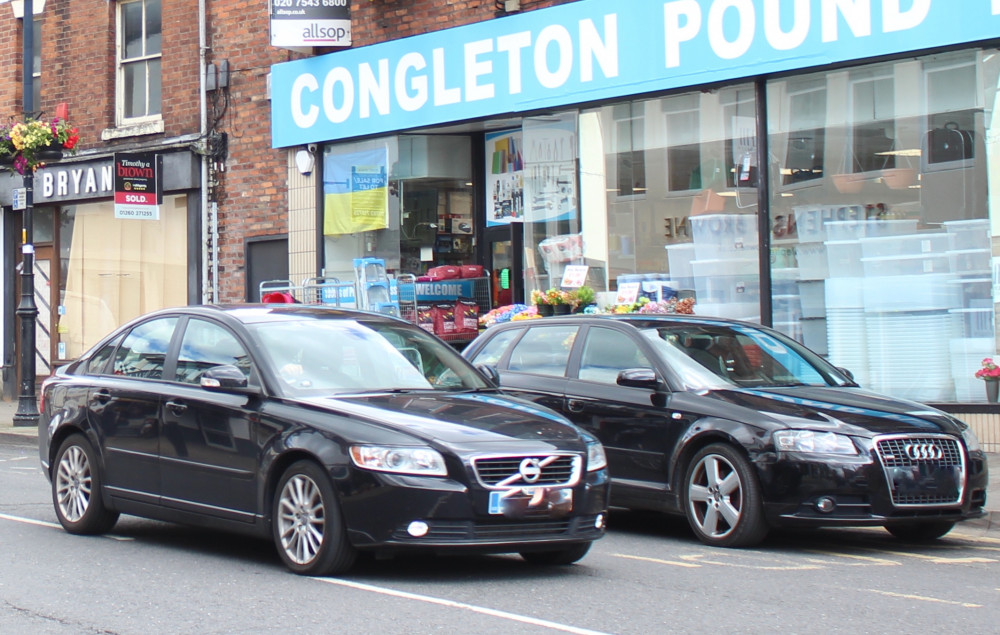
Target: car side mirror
(226, 378)
(490, 372)
(639, 378)
(847, 373)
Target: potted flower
(541, 302)
(581, 297)
(559, 299)
(27, 145)
(990, 373)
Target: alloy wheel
(715, 496)
(73, 484)
(301, 519)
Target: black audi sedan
(329, 431)
(739, 427)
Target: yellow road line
(657, 561)
(924, 598)
(882, 562)
(799, 567)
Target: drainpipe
(206, 274)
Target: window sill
(133, 130)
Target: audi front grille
(923, 470)
(534, 470)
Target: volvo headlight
(971, 441)
(596, 459)
(401, 460)
(813, 442)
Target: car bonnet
(455, 418)
(846, 410)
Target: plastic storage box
(724, 235)
(908, 245)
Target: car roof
(259, 313)
(643, 318)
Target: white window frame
(120, 119)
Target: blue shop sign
(593, 50)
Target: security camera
(311, 147)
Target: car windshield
(314, 357)
(709, 356)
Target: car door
(535, 364)
(209, 459)
(632, 423)
(124, 407)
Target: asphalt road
(649, 575)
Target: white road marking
(524, 619)
(30, 521)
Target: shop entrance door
(42, 270)
(504, 251)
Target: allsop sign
(303, 23)
(137, 190)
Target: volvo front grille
(535, 470)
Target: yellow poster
(355, 192)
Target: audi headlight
(971, 442)
(813, 442)
(596, 459)
(402, 460)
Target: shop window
(684, 165)
(630, 157)
(874, 131)
(138, 56)
(117, 269)
(806, 140)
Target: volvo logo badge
(530, 470)
(924, 451)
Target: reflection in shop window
(629, 132)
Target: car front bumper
(809, 491)
(395, 513)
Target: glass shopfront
(879, 246)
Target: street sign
(20, 195)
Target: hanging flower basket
(899, 178)
(849, 183)
(26, 146)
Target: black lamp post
(27, 311)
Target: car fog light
(825, 504)
(417, 529)
(599, 522)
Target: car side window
(207, 344)
(98, 362)
(544, 350)
(606, 352)
(494, 349)
(144, 350)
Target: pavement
(990, 524)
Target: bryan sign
(137, 191)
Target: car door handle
(102, 396)
(576, 405)
(176, 407)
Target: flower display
(989, 371)
(22, 143)
(557, 296)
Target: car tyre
(723, 503)
(307, 524)
(569, 555)
(77, 489)
(919, 532)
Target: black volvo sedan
(329, 431)
(739, 427)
